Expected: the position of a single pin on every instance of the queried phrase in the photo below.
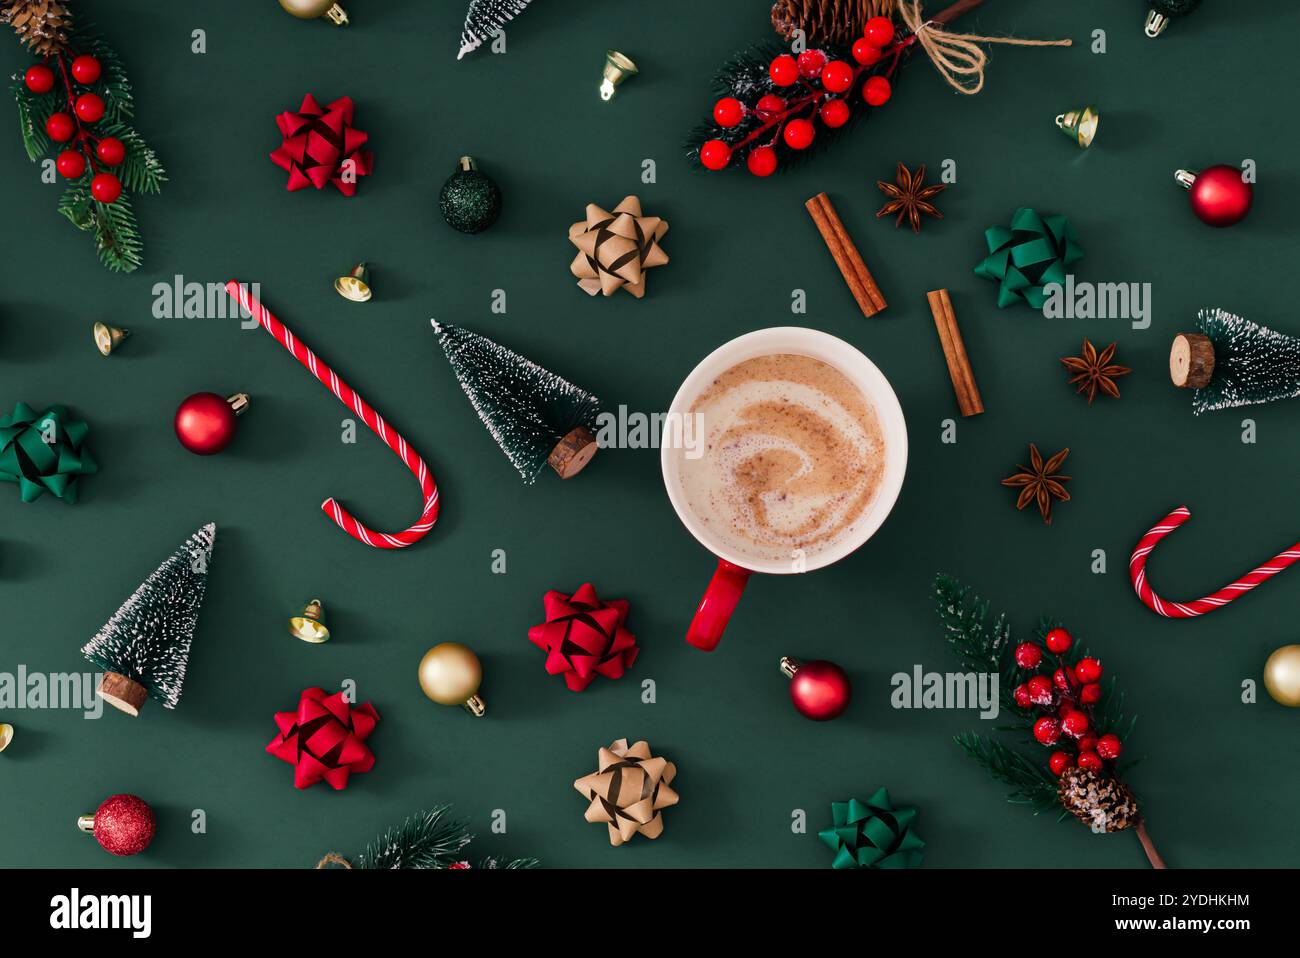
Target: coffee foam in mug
(793, 457)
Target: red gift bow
(584, 637)
(324, 738)
(319, 144)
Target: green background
(1216, 781)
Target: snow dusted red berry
(1028, 655)
(1059, 762)
(1088, 670)
(1090, 760)
(1022, 696)
(1074, 724)
(1109, 746)
(1047, 731)
(1040, 690)
(1058, 641)
(1090, 694)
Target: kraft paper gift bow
(1187, 610)
(350, 398)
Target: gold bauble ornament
(6, 736)
(450, 675)
(311, 9)
(1282, 676)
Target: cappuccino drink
(793, 457)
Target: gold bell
(6, 736)
(355, 285)
(309, 624)
(617, 69)
(1080, 125)
(108, 338)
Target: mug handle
(719, 602)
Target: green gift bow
(872, 834)
(1034, 252)
(38, 465)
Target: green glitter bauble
(470, 200)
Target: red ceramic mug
(734, 569)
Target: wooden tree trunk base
(573, 453)
(122, 693)
(1191, 361)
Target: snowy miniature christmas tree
(485, 19)
(535, 416)
(144, 648)
(1234, 362)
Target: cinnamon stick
(954, 351)
(861, 283)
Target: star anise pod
(1041, 483)
(908, 198)
(1094, 371)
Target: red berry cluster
(64, 126)
(1067, 697)
(790, 119)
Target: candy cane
(349, 397)
(1185, 610)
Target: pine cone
(1103, 803)
(41, 24)
(828, 21)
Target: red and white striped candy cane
(349, 397)
(1185, 610)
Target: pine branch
(1030, 783)
(33, 110)
(428, 839)
(141, 171)
(117, 236)
(964, 617)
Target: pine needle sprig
(964, 618)
(1030, 783)
(426, 840)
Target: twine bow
(958, 56)
(615, 249)
(629, 790)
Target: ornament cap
(86, 823)
(108, 338)
(1156, 24)
(6, 735)
(355, 284)
(1185, 178)
(309, 624)
(1080, 125)
(313, 9)
(467, 164)
(475, 706)
(238, 403)
(789, 666)
(618, 67)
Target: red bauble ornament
(60, 127)
(111, 150)
(1088, 670)
(879, 31)
(205, 423)
(71, 164)
(123, 825)
(877, 91)
(39, 79)
(798, 134)
(1040, 690)
(1059, 762)
(1059, 641)
(89, 107)
(769, 105)
(761, 161)
(85, 69)
(1022, 696)
(865, 52)
(834, 113)
(1047, 731)
(105, 187)
(784, 71)
(837, 76)
(819, 690)
(1109, 746)
(1028, 655)
(1090, 760)
(1090, 694)
(728, 112)
(714, 155)
(1219, 196)
(811, 63)
(1074, 724)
